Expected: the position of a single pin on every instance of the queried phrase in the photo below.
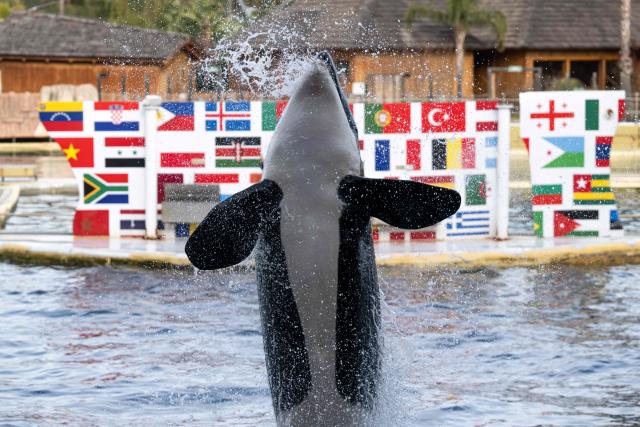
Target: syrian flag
(557, 152)
(121, 156)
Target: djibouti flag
(558, 152)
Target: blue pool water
(116, 346)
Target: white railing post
(502, 172)
(150, 107)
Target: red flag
(78, 151)
(91, 223)
(181, 160)
(217, 178)
(167, 178)
(413, 154)
(443, 117)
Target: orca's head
(315, 142)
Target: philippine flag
(176, 116)
(117, 116)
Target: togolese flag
(387, 118)
(271, 113)
(592, 190)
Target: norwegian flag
(229, 116)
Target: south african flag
(105, 188)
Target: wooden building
(390, 61)
(38, 49)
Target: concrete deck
(518, 251)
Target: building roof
(380, 25)
(44, 35)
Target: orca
(308, 223)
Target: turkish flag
(443, 117)
(91, 223)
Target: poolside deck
(518, 251)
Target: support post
(151, 106)
(502, 172)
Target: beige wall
(419, 68)
(30, 76)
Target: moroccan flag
(456, 153)
(106, 188)
(475, 190)
(78, 151)
(91, 223)
(538, 223)
(575, 223)
(62, 116)
(387, 118)
(603, 151)
(443, 117)
(271, 113)
(560, 152)
(592, 190)
(592, 114)
(238, 152)
(547, 194)
(438, 181)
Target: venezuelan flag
(62, 116)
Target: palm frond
(493, 18)
(416, 12)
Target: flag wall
(568, 136)
(450, 144)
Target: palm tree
(626, 66)
(461, 15)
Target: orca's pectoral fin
(403, 204)
(229, 232)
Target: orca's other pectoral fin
(402, 204)
(229, 232)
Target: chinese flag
(78, 151)
(91, 223)
(443, 117)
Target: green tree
(461, 15)
(8, 6)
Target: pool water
(54, 213)
(119, 346)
